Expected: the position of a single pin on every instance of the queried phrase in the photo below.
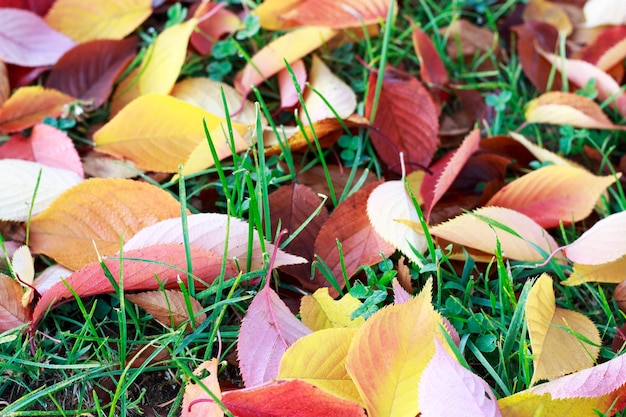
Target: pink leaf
(288, 93)
(46, 145)
(400, 295)
(602, 243)
(444, 378)
(268, 329)
(27, 40)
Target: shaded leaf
(485, 227)
(49, 277)
(168, 307)
(389, 353)
(550, 13)
(27, 39)
(320, 311)
(541, 154)
(553, 194)
(271, 59)
(266, 332)
(86, 21)
(397, 126)
(164, 59)
(159, 133)
(562, 341)
(361, 245)
(465, 39)
(288, 93)
(319, 359)
(12, 312)
(212, 231)
(289, 399)
(151, 268)
(196, 401)
(386, 206)
(100, 165)
(98, 213)
(89, 70)
(445, 378)
(19, 182)
(46, 145)
(29, 106)
(602, 243)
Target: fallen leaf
(46, 145)
(396, 126)
(19, 188)
(89, 70)
(386, 366)
(23, 265)
(550, 13)
(289, 399)
(361, 244)
(386, 206)
(99, 165)
(267, 330)
(49, 277)
(335, 93)
(562, 341)
(400, 294)
(432, 70)
(196, 401)
(289, 96)
(553, 195)
(542, 154)
(319, 358)
(152, 268)
(12, 313)
(604, 12)
(561, 108)
(320, 311)
(602, 243)
(164, 59)
(5, 86)
(214, 21)
(168, 307)
(608, 49)
(468, 41)
(98, 213)
(485, 227)
(212, 232)
(27, 39)
(86, 21)
(29, 106)
(159, 133)
(271, 58)
(613, 272)
(444, 378)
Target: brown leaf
(398, 126)
(12, 312)
(466, 40)
(291, 206)
(315, 178)
(5, 87)
(361, 245)
(168, 307)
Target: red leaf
(266, 332)
(89, 70)
(28, 40)
(432, 70)
(398, 126)
(143, 269)
(289, 399)
(608, 49)
(39, 7)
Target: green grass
(87, 348)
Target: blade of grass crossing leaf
(517, 322)
(389, 21)
(325, 270)
(218, 165)
(182, 191)
(305, 223)
(342, 262)
(121, 319)
(32, 205)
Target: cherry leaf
(196, 401)
(602, 243)
(12, 312)
(29, 106)
(320, 311)
(168, 307)
(288, 93)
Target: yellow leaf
(164, 59)
(158, 132)
(271, 59)
(526, 404)
(319, 311)
(319, 359)
(88, 20)
(483, 228)
(389, 353)
(557, 335)
(548, 12)
(98, 213)
(542, 154)
(611, 272)
(126, 91)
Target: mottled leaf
(608, 49)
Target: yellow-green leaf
(319, 359)
(319, 311)
(562, 341)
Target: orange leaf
(602, 243)
(196, 401)
(319, 358)
(561, 108)
(98, 212)
(12, 313)
(271, 59)
(152, 268)
(385, 365)
(86, 21)
(553, 194)
(548, 12)
(29, 106)
(159, 133)
(319, 311)
(168, 307)
(164, 59)
(519, 236)
(562, 341)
